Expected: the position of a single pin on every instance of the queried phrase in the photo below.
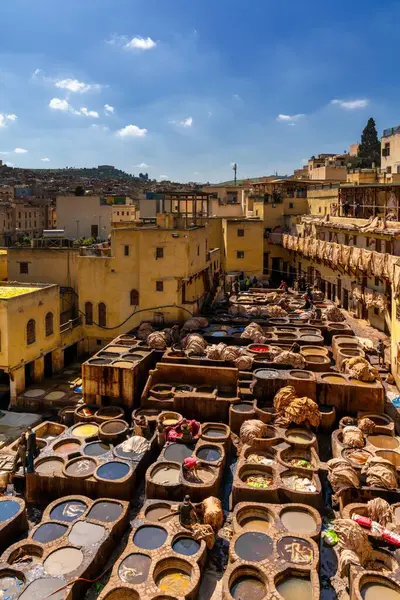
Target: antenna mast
(234, 167)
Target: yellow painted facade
(243, 245)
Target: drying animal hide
(144, 330)
(157, 340)
(244, 362)
(231, 353)
(204, 532)
(136, 444)
(252, 429)
(359, 368)
(303, 411)
(380, 473)
(194, 344)
(297, 361)
(274, 311)
(251, 330)
(334, 315)
(379, 510)
(354, 546)
(212, 513)
(284, 397)
(214, 351)
(366, 425)
(341, 476)
(195, 323)
(353, 437)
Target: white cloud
(351, 104)
(131, 131)
(163, 177)
(5, 118)
(99, 126)
(45, 159)
(20, 151)
(11, 117)
(76, 86)
(89, 113)
(289, 118)
(58, 104)
(187, 122)
(142, 166)
(109, 109)
(36, 72)
(140, 43)
(236, 97)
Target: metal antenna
(234, 167)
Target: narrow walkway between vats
(363, 329)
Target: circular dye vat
(170, 422)
(81, 467)
(242, 407)
(169, 475)
(86, 534)
(114, 427)
(334, 379)
(96, 449)
(266, 374)
(298, 437)
(125, 364)
(377, 589)
(295, 550)
(49, 466)
(107, 512)
(150, 537)
(100, 361)
(67, 447)
(68, 511)
(174, 582)
(35, 393)
(8, 509)
(86, 430)
(135, 568)
(63, 561)
(202, 475)
(113, 470)
(357, 456)
(178, 452)
(43, 588)
(48, 532)
(256, 522)
(57, 395)
(184, 388)
(10, 586)
(295, 588)
(219, 333)
(298, 521)
(214, 432)
(186, 546)
(209, 453)
(299, 374)
(154, 514)
(387, 442)
(248, 587)
(253, 546)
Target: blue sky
(186, 87)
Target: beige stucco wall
(77, 214)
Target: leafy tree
(369, 151)
(79, 191)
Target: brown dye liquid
(86, 534)
(383, 441)
(113, 427)
(214, 432)
(67, 448)
(81, 468)
(393, 457)
(174, 582)
(295, 588)
(298, 437)
(246, 588)
(153, 514)
(255, 523)
(166, 475)
(62, 561)
(170, 422)
(135, 568)
(374, 590)
(361, 383)
(49, 467)
(358, 456)
(333, 379)
(205, 475)
(298, 521)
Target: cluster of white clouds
(188, 122)
(130, 131)
(75, 86)
(15, 151)
(136, 43)
(5, 118)
(64, 105)
(344, 104)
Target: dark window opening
(89, 313)
(49, 324)
(31, 332)
(159, 286)
(24, 268)
(102, 315)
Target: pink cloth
(190, 462)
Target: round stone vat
(253, 518)
(185, 545)
(299, 437)
(258, 349)
(85, 534)
(157, 511)
(209, 453)
(67, 446)
(247, 582)
(135, 568)
(26, 555)
(299, 482)
(165, 474)
(174, 577)
(386, 442)
(169, 418)
(286, 336)
(204, 474)
(257, 477)
(177, 452)
(68, 511)
(298, 457)
(372, 587)
(125, 364)
(318, 361)
(312, 339)
(122, 594)
(288, 547)
(356, 456)
(299, 520)
(63, 561)
(294, 586)
(162, 391)
(379, 420)
(309, 331)
(105, 511)
(391, 456)
(243, 407)
(334, 378)
(96, 449)
(113, 430)
(206, 389)
(215, 431)
(300, 374)
(150, 537)
(86, 430)
(8, 509)
(254, 546)
(43, 588)
(49, 465)
(48, 532)
(108, 413)
(55, 395)
(113, 470)
(100, 361)
(11, 584)
(184, 387)
(314, 351)
(80, 467)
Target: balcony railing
(71, 324)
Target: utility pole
(234, 167)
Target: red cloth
(190, 462)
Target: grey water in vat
(150, 537)
(178, 452)
(186, 546)
(96, 449)
(48, 532)
(209, 453)
(253, 546)
(113, 470)
(135, 568)
(107, 512)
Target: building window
(159, 286)
(240, 232)
(376, 311)
(49, 327)
(126, 250)
(198, 250)
(377, 281)
(240, 254)
(159, 253)
(89, 313)
(31, 332)
(291, 204)
(388, 170)
(23, 268)
(102, 315)
(378, 245)
(134, 298)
